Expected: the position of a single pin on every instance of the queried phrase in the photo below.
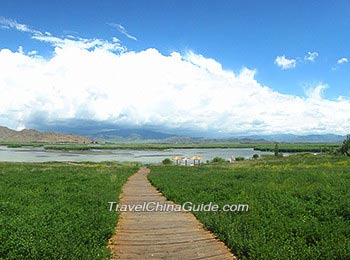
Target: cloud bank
(87, 80)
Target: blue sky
(293, 47)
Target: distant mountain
(291, 138)
(146, 135)
(128, 134)
(111, 133)
(142, 134)
(28, 135)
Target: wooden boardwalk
(160, 234)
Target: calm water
(29, 154)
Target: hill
(131, 135)
(28, 135)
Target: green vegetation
(345, 148)
(18, 145)
(282, 147)
(167, 161)
(276, 150)
(269, 147)
(73, 147)
(219, 160)
(239, 158)
(298, 147)
(298, 205)
(58, 210)
(14, 145)
(146, 146)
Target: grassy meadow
(291, 148)
(283, 147)
(299, 206)
(58, 210)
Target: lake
(38, 154)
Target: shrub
(276, 150)
(345, 148)
(167, 161)
(239, 159)
(218, 160)
(14, 146)
(255, 156)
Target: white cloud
(317, 91)
(123, 30)
(87, 79)
(284, 63)
(82, 43)
(342, 60)
(69, 40)
(12, 24)
(311, 56)
(32, 53)
(188, 91)
(20, 49)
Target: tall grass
(299, 206)
(315, 148)
(58, 210)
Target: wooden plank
(160, 234)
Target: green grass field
(58, 210)
(283, 147)
(291, 148)
(299, 207)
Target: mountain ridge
(151, 135)
(30, 135)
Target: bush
(345, 148)
(276, 150)
(255, 156)
(239, 159)
(167, 161)
(218, 160)
(14, 146)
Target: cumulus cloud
(311, 56)
(123, 30)
(285, 63)
(172, 91)
(342, 60)
(149, 88)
